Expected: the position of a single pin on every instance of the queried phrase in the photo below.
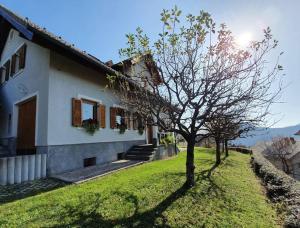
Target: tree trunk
(190, 167)
(226, 148)
(223, 147)
(218, 152)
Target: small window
(7, 70)
(89, 162)
(21, 57)
(89, 110)
(298, 165)
(120, 117)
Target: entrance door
(26, 128)
(150, 134)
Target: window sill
(18, 73)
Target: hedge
(242, 150)
(280, 188)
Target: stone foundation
(66, 158)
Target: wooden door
(26, 128)
(150, 134)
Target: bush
(280, 188)
(168, 139)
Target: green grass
(152, 195)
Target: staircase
(141, 152)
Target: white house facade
(48, 89)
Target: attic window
(7, 70)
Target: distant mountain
(266, 134)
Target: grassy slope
(151, 194)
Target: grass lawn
(152, 195)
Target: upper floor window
(13, 65)
(18, 60)
(6, 70)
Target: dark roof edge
(30, 30)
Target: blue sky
(99, 27)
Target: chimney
(109, 63)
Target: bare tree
(196, 69)
(282, 148)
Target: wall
(70, 80)
(33, 80)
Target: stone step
(142, 148)
(133, 152)
(138, 157)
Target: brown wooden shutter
(101, 116)
(135, 121)
(7, 69)
(2, 79)
(22, 57)
(128, 121)
(13, 65)
(76, 112)
(112, 117)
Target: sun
(244, 39)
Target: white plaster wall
(67, 80)
(33, 80)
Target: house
(49, 90)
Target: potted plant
(122, 128)
(90, 125)
(141, 129)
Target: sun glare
(244, 39)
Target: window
(84, 110)
(120, 117)
(13, 68)
(21, 53)
(89, 110)
(7, 70)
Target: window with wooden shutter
(135, 121)
(128, 120)
(22, 57)
(2, 77)
(112, 117)
(7, 70)
(13, 65)
(76, 112)
(101, 115)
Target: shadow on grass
(14, 192)
(89, 210)
(88, 215)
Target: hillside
(153, 195)
(263, 134)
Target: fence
(15, 170)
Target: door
(150, 134)
(26, 128)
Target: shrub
(280, 188)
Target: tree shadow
(15, 192)
(91, 211)
(89, 215)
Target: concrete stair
(141, 152)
